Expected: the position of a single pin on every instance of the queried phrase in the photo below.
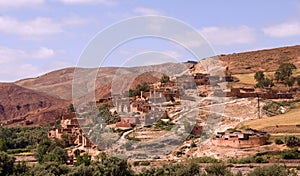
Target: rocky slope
(18, 104)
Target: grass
(249, 77)
(292, 117)
(246, 78)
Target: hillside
(18, 104)
(59, 83)
(56, 87)
(262, 60)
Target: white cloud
(147, 11)
(37, 28)
(42, 53)
(287, 29)
(29, 29)
(86, 2)
(15, 63)
(229, 36)
(9, 54)
(20, 3)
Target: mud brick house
(186, 82)
(201, 79)
(140, 106)
(240, 139)
(123, 105)
(69, 126)
(197, 130)
(69, 121)
(128, 122)
(250, 92)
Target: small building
(240, 138)
(127, 123)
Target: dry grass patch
(292, 117)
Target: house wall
(253, 141)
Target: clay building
(186, 82)
(127, 122)
(69, 126)
(240, 139)
(250, 92)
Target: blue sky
(38, 36)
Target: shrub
(278, 141)
(206, 159)
(292, 141)
(218, 169)
(145, 163)
(290, 154)
(274, 170)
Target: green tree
(267, 83)
(106, 116)
(262, 81)
(145, 87)
(284, 71)
(83, 170)
(50, 168)
(6, 164)
(84, 159)
(71, 108)
(42, 149)
(3, 146)
(259, 76)
(106, 165)
(289, 81)
(164, 79)
(58, 155)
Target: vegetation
(292, 141)
(51, 151)
(274, 170)
(290, 154)
(262, 81)
(292, 117)
(71, 108)
(21, 138)
(278, 141)
(105, 116)
(284, 71)
(145, 87)
(164, 125)
(250, 159)
(165, 79)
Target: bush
(164, 125)
(145, 163)
(290, 154)
(292, 141)
(17, 151)
(218, 169)
(278, 141)
(164, 79)
(274, 170)
(206, 159)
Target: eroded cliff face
(18, 104)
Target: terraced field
(278, 126)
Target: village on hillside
(168, 119)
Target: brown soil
(282, 129)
